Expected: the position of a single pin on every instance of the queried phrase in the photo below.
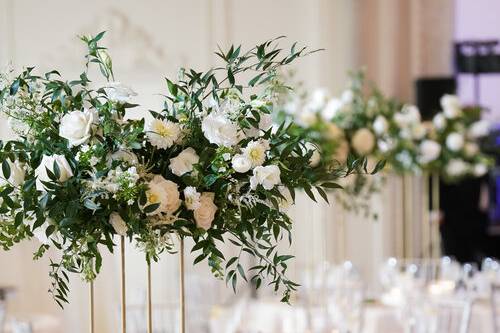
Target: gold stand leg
(123, 294)
(182, 304)
(426, 222)
(91, 305)
(150, 305)
(435, 249)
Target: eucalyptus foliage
(207, 167)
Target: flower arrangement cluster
(452, 144)
(362, 122)
(209, 166)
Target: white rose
(184, 162)
(192, 198)
(267, 176)
(76, 126)
(315, 157)
(456, 167)
(220, 130)
(412, 114)
(480, 170)
(255, 152)
(479, 129)
(118, 92)
(455, 141)
(318, 100)
(163, 192)
(47, 162)
(333, 132)
(17, 174)
(118, 224)
(363, 141)
(451, 106)
(429, 151)
(439, 121)
(471, 149)
(380, 125)
(205, 213)
(162, 133)
(331, 109)
(241, 163)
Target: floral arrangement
(452, 145)
(209, 166)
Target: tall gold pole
(124, 301)
(182, 304)
(91, 305)
(426, 223)
(401, 241)
(150, 305)
(436, 212)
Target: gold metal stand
(426, 221)
(150, 305)
(123, 294)
(182, 304)
(435, 239)
(91, 305)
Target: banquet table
(266, 316)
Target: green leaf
(6, 169)
(151, 208)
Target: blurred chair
(451, 316)
(495, 306)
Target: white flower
(331, 109)
(17, 174)
(124, 156)
(333, 132)
(439, 121)
(162, 133)
(315, 157)
(118, 224)
(451, 106)
(255, 152)
(455, 141)
(347, 96)
(191, 198)
(47, 162)
(76, 126)
(363, 141)
(118, 92)
(385, 145)
(267, 176)
(409, 115)
(184, 162)
(318, 100)
(480, 169)
(307, 118)
(241, 163)
(265, 123)
(471, 149)
(418, 131)
(456, 167)
(163, 192)
(479, 129)
(429, 151)
(380, 125)
(205, 213)
(220, 130)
